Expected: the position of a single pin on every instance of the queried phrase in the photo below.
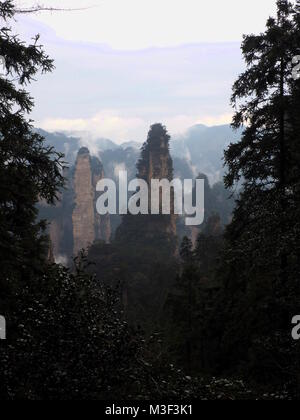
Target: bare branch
(39, 8)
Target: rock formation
(102, 223)
(74, 223)
(88, 226)
(155, 163)
(84, 214)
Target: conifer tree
(29, 171)
(261, 263)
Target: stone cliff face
(155, 163)
(74, 223)
(102, 223)
(87, 224)
(83, 215)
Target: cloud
(119, 167)
(181, 123)
(112, 125)
(62, 259)
(117, 94)
(105, 124)
(135, 24)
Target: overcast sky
(124, 64)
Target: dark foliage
(144, 320)
(260, 265)
(29, 171)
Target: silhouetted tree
(261, 262)
(29, 171)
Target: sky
(122, 65)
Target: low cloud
(112, 125)
(103, 92)
(105, 124)
(118, 169)
(179, 124)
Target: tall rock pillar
(84, 214)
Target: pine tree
(29, 171)
(261, 263)
(266, 158)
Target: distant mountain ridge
(196, 154)
(200, 149)
(203, 147)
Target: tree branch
(39, 8)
